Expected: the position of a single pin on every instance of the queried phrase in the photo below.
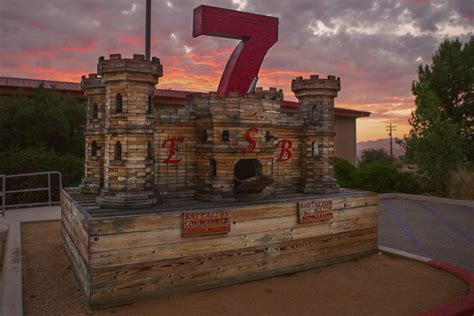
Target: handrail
(4, 191)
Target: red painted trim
(463, 306)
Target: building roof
(10, 85)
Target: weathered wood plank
(79, 266)
(191, 247)
(148, 222)
(236, 271)
(165, 236)
(71, 229)
(165, 268)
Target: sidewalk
(11, 289)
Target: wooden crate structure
(120, 256)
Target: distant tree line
(41, 132)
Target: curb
(426, 198)
(463, 306)
(11, 291)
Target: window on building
(149, 152)
(315, 113)
(225, 136)
(95, 110)
(202, 135)
(149, 108)
(212, 169)
(94, 149)
(118, 103)
(118, 151)
(268, 136)
(315, 149)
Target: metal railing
(4, 192)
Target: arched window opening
(95, 110)
(149, 108)
(315, 149)
(212, 169)
(202, 135)
(94, 149)
(225, 136)
(315, 113)
(268, 136)
(118, 103)
(149, 155)
(118, 151)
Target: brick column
(94, 89)
(129, 131)
(316, 105)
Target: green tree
(374, 154)
(344, 172)
(441, 137)
(45, 119)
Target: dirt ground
(371, 286)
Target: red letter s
(251, 140)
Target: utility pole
(391, 128)
(147, 29)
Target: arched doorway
(248, 177)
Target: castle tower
(234, 151)
(94, 89)
(129, 131)
(316, 105)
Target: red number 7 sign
(257, 34)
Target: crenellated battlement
(316, 86)
(271, 94)
(91, 81)
(136, 65)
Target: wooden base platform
(120, 256)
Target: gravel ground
(376, 285)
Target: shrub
(381, 177)
(461, 184)
(344, 173)
(31, 160)
(375, 155)
(40, 160)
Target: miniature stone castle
(213, 148)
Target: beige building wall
(345, 140)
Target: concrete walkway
(11, 290)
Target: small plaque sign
(314, 210)
(206, 223)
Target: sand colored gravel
(378, 285)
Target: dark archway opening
(95, 110)
(248, 177)
(118, 151)
(118, 103)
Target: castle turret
(316, 105)
(94, 89)
(129, 131)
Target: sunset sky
(374, 46)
